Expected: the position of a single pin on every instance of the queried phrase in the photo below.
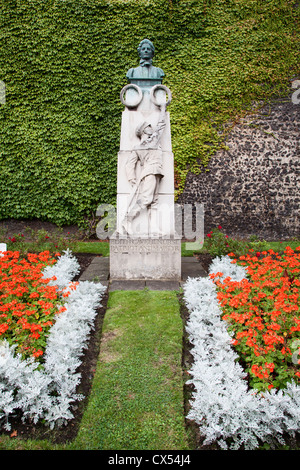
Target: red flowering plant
(28, 304)
(263, 313)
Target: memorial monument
(145, 244)
(3, 247)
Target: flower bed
(45, 324)
(263, 313)
(223, 405)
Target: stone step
(98, 271)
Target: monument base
(145, 258)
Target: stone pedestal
(145, 258)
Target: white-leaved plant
(48, 393)
(225, 409)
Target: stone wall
(253, 187)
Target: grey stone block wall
(253, 187)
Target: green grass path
(137, 396)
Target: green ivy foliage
(64, 63)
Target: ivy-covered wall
(64, 63)
(252, 187)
